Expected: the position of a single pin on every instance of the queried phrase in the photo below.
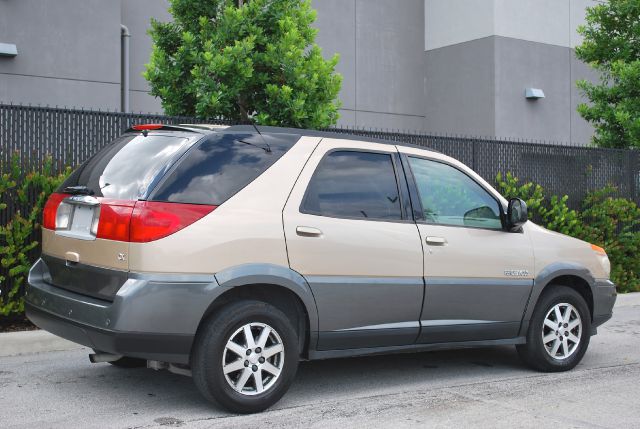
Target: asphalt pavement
(465, 388)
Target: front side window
(450, 197)
(354, 185)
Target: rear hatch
(89, 221)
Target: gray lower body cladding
(156, 317)
(145, 319)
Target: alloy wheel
(253, 359)
(561, 331)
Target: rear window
(128, 168)
(221, 165)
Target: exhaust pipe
(103, 357)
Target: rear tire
(559, 331)
(245, 356)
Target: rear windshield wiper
(78, 190)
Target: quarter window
(354, 185)
(450, 197)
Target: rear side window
(129, 167)
(354, 185)
(220, 166)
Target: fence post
(473, 155)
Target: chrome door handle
(307, 231)
(436, 241)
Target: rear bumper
(154, 346)
(151, 317)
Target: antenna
(255, 127)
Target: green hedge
(603, 219)
(26, 194)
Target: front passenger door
(470, 292)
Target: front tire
(245, 357)
(559, 331)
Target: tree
(612, 46)
(244, 59)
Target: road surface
(465, 388)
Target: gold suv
(229, 254)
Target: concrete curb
(28, 342)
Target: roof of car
(324, 134)
(214, 128)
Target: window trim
(414, 192)
(403, 192)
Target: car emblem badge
(122, 256)
(516, 273)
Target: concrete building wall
(447, 66)
(136, 15)
(66, 57)
(522, 44)
(382, 59)
(461, 88)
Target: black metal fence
(71, 136)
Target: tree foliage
(224, 58)
(612, 46)
(604, 219)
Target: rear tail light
(153, 220)
(114, 220)
(133, 221)
(51, 209)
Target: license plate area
(77, 217)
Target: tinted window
(450, 197)
(354, 185)
(128, 167)
(220, 166)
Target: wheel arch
(277, 285)
(569, 274)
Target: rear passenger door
(349, 232)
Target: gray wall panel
(141, 101)
(347, 118)
(390, 56)
(336, 24)
(73, 39)
(136, 15)
(388, 121)
(581, 130)
(59, 92)
(460, 88)
(521, 64)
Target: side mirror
(517, 214)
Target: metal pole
(124, 68)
